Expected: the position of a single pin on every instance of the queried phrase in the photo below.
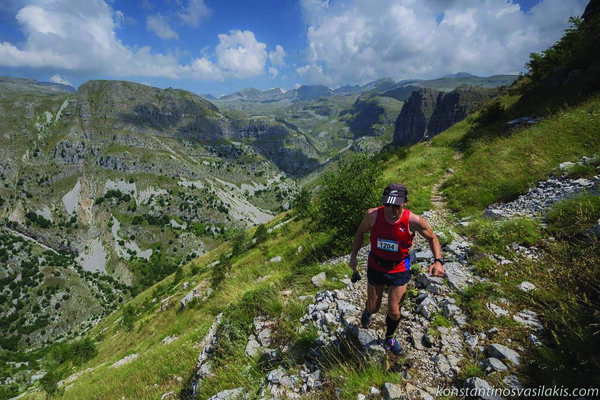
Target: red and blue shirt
(390, 243)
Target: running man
(392, 229)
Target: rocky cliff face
(414, 117)
(430, 112)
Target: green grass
(472, 300)
(499, 168)
(347, 369)
(470, 369)
(158, 366)
(419, 170)
(496, 236)
(573, 217)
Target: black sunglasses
(394, 206)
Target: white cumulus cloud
(277, 57)
(56, 78)
(78, 37)
(194, 12)
(354, 41)
(159, 25)
(240, 54)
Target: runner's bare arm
(359, 237)
(418, 224)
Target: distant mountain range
(10, 86)
(400, 90)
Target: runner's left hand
(436, 269)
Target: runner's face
(392, 211)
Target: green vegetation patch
(345, 366)
(496, 236)
(473, 299)
(345, 197)
(238, 321)
(574, 217)
(501, 168)
(419, 168)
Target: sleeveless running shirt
(390, 243)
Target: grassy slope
(525, 156)
(160, 364)
(499, 168)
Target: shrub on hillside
(219, 271)
(345, 196)
(302, 202)
(492, 113)
(128, 317)
(49, 383)
(239, 241)
(38, 220)
(77, 352)
(261, 234)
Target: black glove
(355, 277)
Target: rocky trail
(431, 361)
(434, 354)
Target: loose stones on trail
(434, 356)
(319, 280)
(503, 353)
(482, 388)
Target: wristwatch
(440, 260)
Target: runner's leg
(374, 297)
(396, 295)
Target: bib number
(387, 245)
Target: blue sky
(218, 47)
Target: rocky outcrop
(73, 152)
(414, 117)
(118, 105)
(429, 112)
(14, 86)
(593, 8)
(456, 106)
(309, 93)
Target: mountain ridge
(447, 83)
(18, 86)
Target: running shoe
(365, 319)
(392, 345)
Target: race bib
(387, 245)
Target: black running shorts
(377, 278)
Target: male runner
(392, 229)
